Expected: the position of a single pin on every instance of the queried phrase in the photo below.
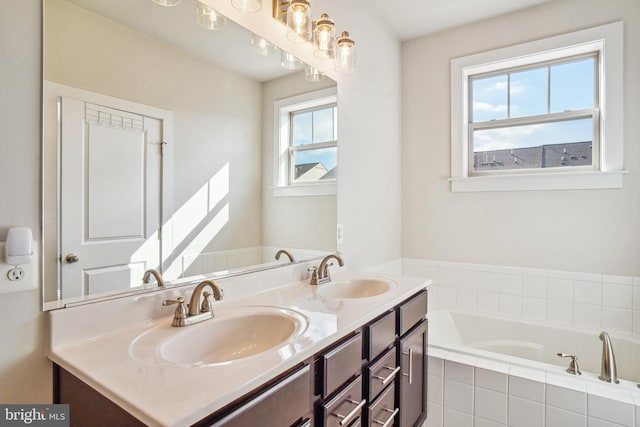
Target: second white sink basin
(356, 288)
(221, 340)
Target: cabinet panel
(339, 364)
(345, 408)
(379, 335)
(283, 404)
(411, 312)
(381, 374)
(383, 412)
(412, 352)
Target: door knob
(72, 258)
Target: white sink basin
(221, 340)
(356, 288)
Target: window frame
(607, 165)
(282, 138)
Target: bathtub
(531, 345)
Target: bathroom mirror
(172, 154)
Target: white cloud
(504, 138)
(485, 106)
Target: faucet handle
(314, 275)
(207, 304)
(573, 368)
(180, 314)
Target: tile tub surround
(580, 300)
(93, 342)
(465, 391)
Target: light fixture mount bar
(280, 10)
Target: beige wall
(592, 231)
(292, 222)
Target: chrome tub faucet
(608, 370)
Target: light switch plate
(30, 279)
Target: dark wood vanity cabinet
(376, 376)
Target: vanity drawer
(383, 411)
(411, 312)
(379, 335)
(345, 408)
(339, 364)
(380, 374)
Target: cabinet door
(413, 379)
(345, 408)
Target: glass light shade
(167, 2)
(261, 46)
(312, 74)
(345, 54)
(289, 61)
(209, 18)
(299, 21)
(324, 38)
(249, 6)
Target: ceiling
(414, 18)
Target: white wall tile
(458, 396)
(511, 282)
(527, 389)
(453, 418)
(616, 295)
(617, 319)
(525, 413)
(564, 398)
(534, 285)
(490, 404)
(636, 321)
(435, 389)
(481, 422)
(595, 422)
(534, 309)
(623, 280)
(489, 302)
(636, 294)
(587, 316)
(492, 380)
(467, 300)
(434, 417)
(560, 289)
(556, 417)
(489, 281)
(447, 297)
(610, 410)
(560, 312)
(457, 275)
(511, 306)
(435, 366)
(458, 372)
(587, 292)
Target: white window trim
(282, 108)
(608, 41)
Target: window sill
(592, 180)
(323, 189)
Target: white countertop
(94, 343)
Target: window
(530, 117)
(307, 144)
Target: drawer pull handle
(346, 419)
(306, 423)
(389, 420)
(410, 354)
(392, 375)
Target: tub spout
(608, 371)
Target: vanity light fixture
(248, 6)
(167, 2)
(261, 46)
(312, 74)
(324, 38)
(208, 18)
(299, 21)
(345, 54)
(289, 61)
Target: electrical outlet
(15, 273)
(339, 234)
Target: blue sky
(314, 127)
(571, 88)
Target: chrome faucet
(147, 276)
(608, 370)
(321, 274)
(196, 312)
(287, 253)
